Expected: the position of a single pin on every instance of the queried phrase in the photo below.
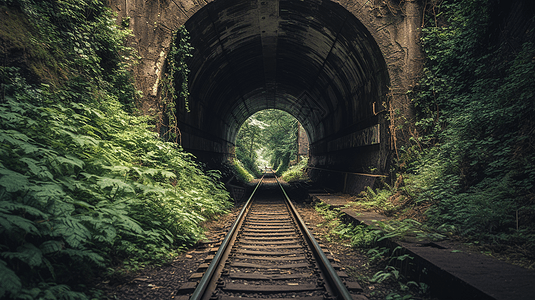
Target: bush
(241, 173)
(84, 184)
(251, 167)
(475, 108)
(296, 172)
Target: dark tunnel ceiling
(309, 58)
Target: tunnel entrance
(312, 59)
(273, 139)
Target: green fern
(83, 183)
(11, 283)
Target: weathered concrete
(340, 67)
(450, 268)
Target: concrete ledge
(450, 268)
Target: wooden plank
(260, 234)
(270, 224)
(263, 242)
(249, 246)
(294, 298)
(269, 288)
(292, 258)
(269, 253)
(269, 220)
(196, 276)
(254, 276)
(187, 287)
(270, 238)
(271, 230)
(267, 226)
(270, 266)
(203, 267)
(353, 286)
(342, 274)
(256, 225)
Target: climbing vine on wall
(175, 82)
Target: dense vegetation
(296, 172)
(267, 138)
(472, 160)
(84, 183)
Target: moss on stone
(23, 48)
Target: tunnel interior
(312, 59)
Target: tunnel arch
(339, 67)
(313, 59)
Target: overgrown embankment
(84, 183)
(471, 159)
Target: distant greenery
(248, 141)
(296, 172)
(473, 159)
(242, 173)
(273, 134)
(84, 183)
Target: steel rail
(332, 277)
(218, 261)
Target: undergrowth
(392, 263)
(296, 172)
(476, 108)
(241, 172)
(85, 185)
(470, 166)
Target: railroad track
(269, 253)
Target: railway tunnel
(338, 67)
(311, 59)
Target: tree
(271, 133)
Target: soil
(163, 282)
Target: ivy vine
(175, 82)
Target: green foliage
(242, 173)
(175, 83)
(296, 172)
(379, 199)
(84, 184)
(393, 261)
(361, 236)
(475, 104)
(271, 133)
(249, 139)
(82, 42)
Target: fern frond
(8, 206)
(73, 232)
(10, 281)
(36, 169)
(12, 181)
(18, 140)
(11, 222)
(51, 246)
(86, 255)
(27, 253)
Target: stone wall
(370, 144)
(393, 26)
